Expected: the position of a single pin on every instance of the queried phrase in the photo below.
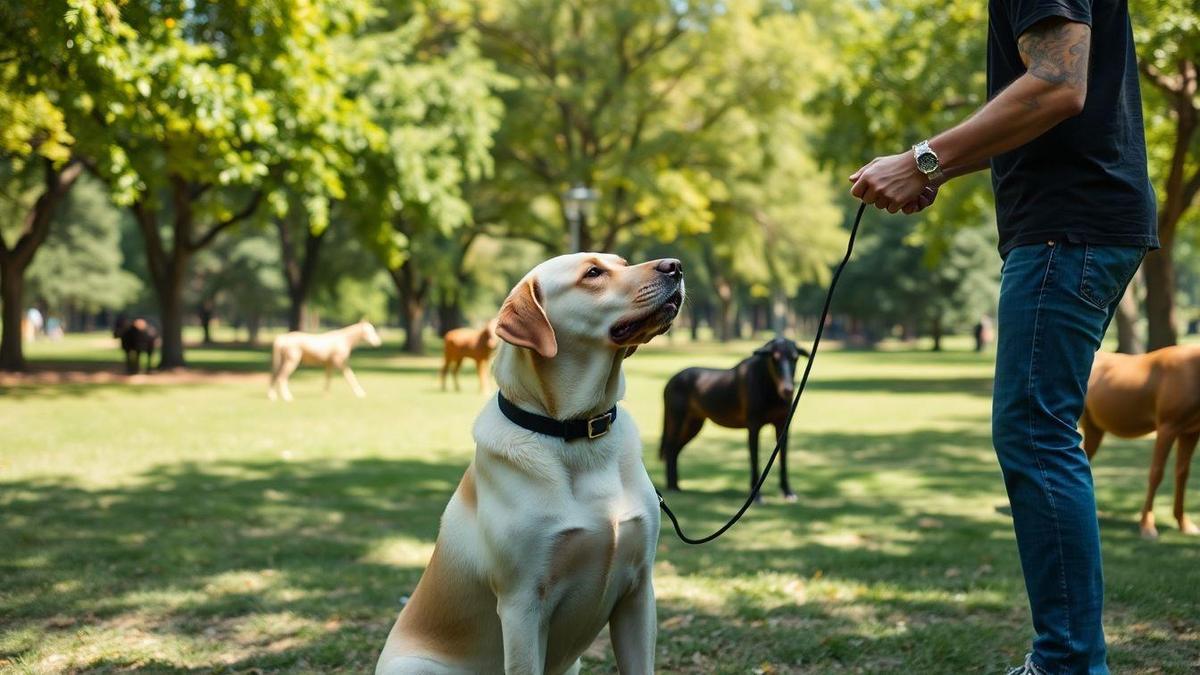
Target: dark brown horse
(754, 393)
(138, 336)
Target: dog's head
(591, 299)
(370, 334)
(781, 355)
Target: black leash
(662, 502)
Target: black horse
(138, 336)
(756, 392)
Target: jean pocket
(1106, 272)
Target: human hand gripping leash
(787, 425)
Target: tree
(193, 113)
(16, 258)
(79, 268)
(687, 117)
(246, 286)
(430, 92)
(36, 173)
(897, 279)
(300, 252)
(1168, 33)
(911, 69)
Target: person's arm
(1053, 88)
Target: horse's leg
(454, 371)
(754, 474)
(328, 375)
(673, 443)
(349, 375)
(481, 366)
(784, 485)
(1162, 448)
(1183, 462)
(1092, 435)
(445, 367)
(287, 367)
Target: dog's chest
(590, 566)
(600, 543)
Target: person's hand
(923, 200)
(890, 182)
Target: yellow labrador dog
(552, 531)
(330, 349)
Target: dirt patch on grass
(114, 374)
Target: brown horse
(1133, 395)
(469, 343)
(331, 349)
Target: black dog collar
(566, 429)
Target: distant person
(1063, 135)
(54, 329)
(983, 333)
(34, 319)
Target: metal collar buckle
(605, 420)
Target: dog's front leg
(633, 628)
(524, 632)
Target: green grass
(198, 527)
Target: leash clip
(605, 420)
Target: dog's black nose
(670, 267)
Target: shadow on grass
(193, 549)
(299, 566)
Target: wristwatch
(927, 162)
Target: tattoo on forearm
(1057, 51)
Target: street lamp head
(579, 202)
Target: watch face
(927, 162)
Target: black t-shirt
(1085, 180)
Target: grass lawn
(194, 526)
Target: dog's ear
(523, 322)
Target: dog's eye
(592, 272)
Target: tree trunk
(253, 325)
(412, 294)
(726, 314)
(1128, 340)
(298, 272)
(205, 313)
(168, 266)
(936, 331)
(14, 261)
(170, 303)
(449, 315)
(1180, 190)
(414, 325)
(11, 294)
(1160, 298)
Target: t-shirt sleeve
(1025, 13)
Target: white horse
(331, 349)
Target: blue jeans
(1056, 301)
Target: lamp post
(579, 203)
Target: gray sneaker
(1029, 668)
